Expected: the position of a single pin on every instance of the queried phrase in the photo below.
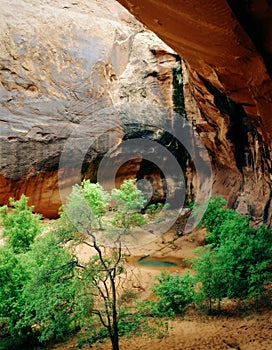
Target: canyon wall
(64, 65)
(227, 49)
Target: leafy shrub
(173, 293)
(21, 225)
(129, 322)
(130, 201)
(49, 294)
(209, 277)
(76, 214)
(238, 262)
(97, 198)
(13, 277)
(153, 209)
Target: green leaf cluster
(153, 209)
(40, 291)
(129, 197)
(88, 206)
(51, 292)
(237, 262)
(21, 225)
(130, 200)
(173, 292)
(97, 198)
(12, 280)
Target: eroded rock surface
(227, 47)
(61, 64)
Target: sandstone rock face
(227, 48)
(61, 64)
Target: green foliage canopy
(97, 198)
(130, 200)
(21, 225)
(173, 293)
(238, 261)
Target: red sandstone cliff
(227, 48)
(61, 64)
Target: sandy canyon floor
(245, 329)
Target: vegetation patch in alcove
(177, 82)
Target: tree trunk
(115, 342)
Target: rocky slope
(63, 66)
(227, 47)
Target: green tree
(51, 294)
(39, 288)
(261, 260)
(12, 281)
(173, 293)
(237, 264)
(21, 225)
(130, 200)
(105, 270)
(246, 256)
(102, 271)
(210, 277)
(41, 292)
(97, 198)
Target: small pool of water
(148, 261)
(169, 263)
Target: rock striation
(227, 49)
(63, 66)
